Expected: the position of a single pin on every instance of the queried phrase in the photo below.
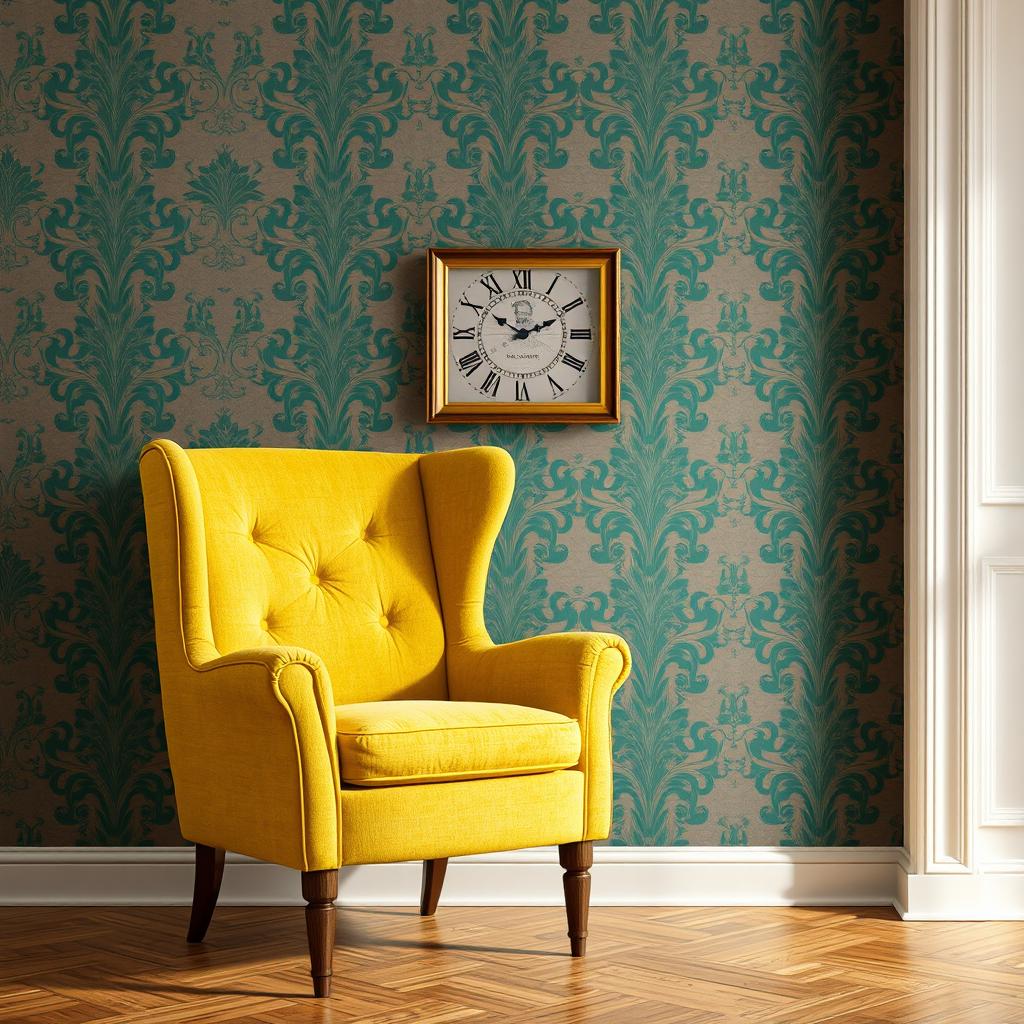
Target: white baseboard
(989, 896)
(622, 876)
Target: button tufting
(385, 621)
(315, 580)
(264, 625)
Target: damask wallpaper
(213, 215)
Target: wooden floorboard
(511, 966)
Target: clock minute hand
(540, 327)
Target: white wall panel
(1001, 203)
(1001, 683)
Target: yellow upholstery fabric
(397, 742)
(451, 819)
(288, 582)
(250, 735)
(328, 551)
(575, 674)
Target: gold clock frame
(440, 410)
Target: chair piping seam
(461, 728)
(441, 776)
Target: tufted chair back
(329, 551)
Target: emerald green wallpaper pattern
(212, 222)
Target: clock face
(523, 334)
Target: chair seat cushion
(398, 742)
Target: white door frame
(937, 800)
(949, 485)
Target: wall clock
(523, 336)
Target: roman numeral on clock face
(491, 382)
(572, 305)
(574, 363)
(463, 334)
(554, 280)
(490, 282)
(556, 388)
(523, 278)
(471, 305)
(470, 361)
(581, 334)
(522, 395)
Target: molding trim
(998, 494)
(982, 896)
(622, 876)
(979, 176)
(938, 799)
(989, 569)
(958, 867)
(709, 876)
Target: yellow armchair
(331, 695)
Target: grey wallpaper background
(213, 215)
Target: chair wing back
(328, 551)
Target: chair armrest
(574, 674)
(251, 737)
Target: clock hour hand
(518, 333)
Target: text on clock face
(522, 335)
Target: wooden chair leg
(209, 872)
(320, 890)
(433, 879)
(577, 859)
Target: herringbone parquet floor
(510, 966)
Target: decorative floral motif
(226, 192)
(333, 242)
(19, 351)
(218, 100)
(19, 736)
(650, 110)
(821, 505)
(114, 244)
(20, 481)
(224, 432)
(21, 195)
(508, 120)
(20, 589)
(225, 363)
(20, 97)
